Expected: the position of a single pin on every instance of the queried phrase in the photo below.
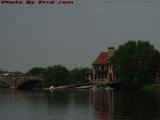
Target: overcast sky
(39, 35)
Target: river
(79, 105)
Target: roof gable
(101, 59)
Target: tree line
(135, 63)
(57, 75)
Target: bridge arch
(20, 82)
(28, 84)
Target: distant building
(102, 69)
(16, 73)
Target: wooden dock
(89, 85)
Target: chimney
(110, 51)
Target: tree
(134, 63)
(36, 71)
(56, 75)
(1, 71)
(78, 74)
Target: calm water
(79, 105)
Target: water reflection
(79, 105)
(69, 104)
(103, 103)
(137, 105)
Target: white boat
(51, 88)
(109, 88)
(94, 88)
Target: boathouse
(102, 69)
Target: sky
(72, 35)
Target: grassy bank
(152, 87)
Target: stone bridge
(20, 82)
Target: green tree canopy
(36, 71)
(78, 74)
(134, 63)
(56, 75)
(1, 71)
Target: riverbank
(88, 85)
(152, 87)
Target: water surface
(79, 105)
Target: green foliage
(3, 86)
(134, 63)
(152, 87)
(37, 71)
(56, 75)
(78, 74)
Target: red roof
(101, 59)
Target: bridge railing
(19, 77)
